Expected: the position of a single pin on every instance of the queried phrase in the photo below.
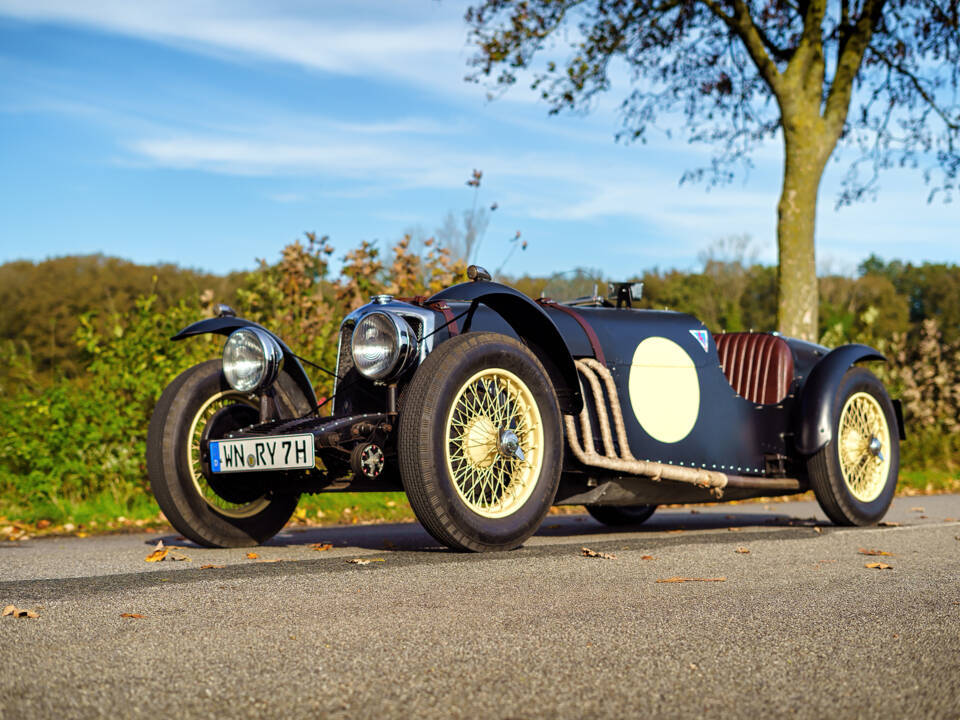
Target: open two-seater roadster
(487, 407)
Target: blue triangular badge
(702, 338)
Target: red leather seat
(758, 366)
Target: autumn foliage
(74, 436)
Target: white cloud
(324, 39)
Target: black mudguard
(534, 327)
(226, 325)
(819, 390)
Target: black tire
(865, 498)
(176, 481)
(437, 432)
(616, 515)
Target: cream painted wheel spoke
(203, 487)
(488, 482)
(862, 421)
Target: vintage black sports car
(487, 407)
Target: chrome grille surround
(423, 321)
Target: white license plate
(283, 452)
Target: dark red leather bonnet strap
(591, 335)
(447, 314)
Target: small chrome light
(252, 359)
(382, 345)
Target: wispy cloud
(317, 39)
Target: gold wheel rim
(865, 467)
(488, 480)
(207, 493)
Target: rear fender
(534, 327)
(818, 393)
(226, 325)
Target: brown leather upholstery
(759, 366)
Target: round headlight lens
(376, 345)
(251, 359)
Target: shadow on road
(412, 537)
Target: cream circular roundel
(664, 389)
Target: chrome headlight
(252, 359)
(383, 345)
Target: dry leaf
(690, 579)
(916, 509)
(878, 566)
(743, 550)
(587, 552)
(16, 612)
(949, 519)
(158, 554)
(176, 556)
(864, 551)
(211, 567)
(252, 556)
(646, 557)
(818, 530)
(322, 547)
(131, 615)
(733, 529)
(678, 530)
(889, 523)
(364, 561)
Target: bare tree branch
(850, 58)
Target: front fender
(226, 325)
(819, 391)
(534, 327)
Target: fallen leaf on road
(321, 547)
(690, 579)
(587, 552)
(743, 550)
(14, 611)
(646, 557)
(177, 556)
(817, 529)
(916, 509)
(137, 616)
(252, 556)
(211, 567)
(878, 566)
(733, 529)
(364, 561)
(864, 551)
(158, 554)
(678, 530)
(949, 519)
(889, 523)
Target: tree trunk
(798, 301)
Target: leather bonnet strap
(591, 335)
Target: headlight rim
(272, 359)
(406, 342)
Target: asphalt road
(798, 627)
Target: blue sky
(210, 133)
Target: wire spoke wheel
(494, 442)
(196, 434)
(854, 474)
(864, 442)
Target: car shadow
(411, 537)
